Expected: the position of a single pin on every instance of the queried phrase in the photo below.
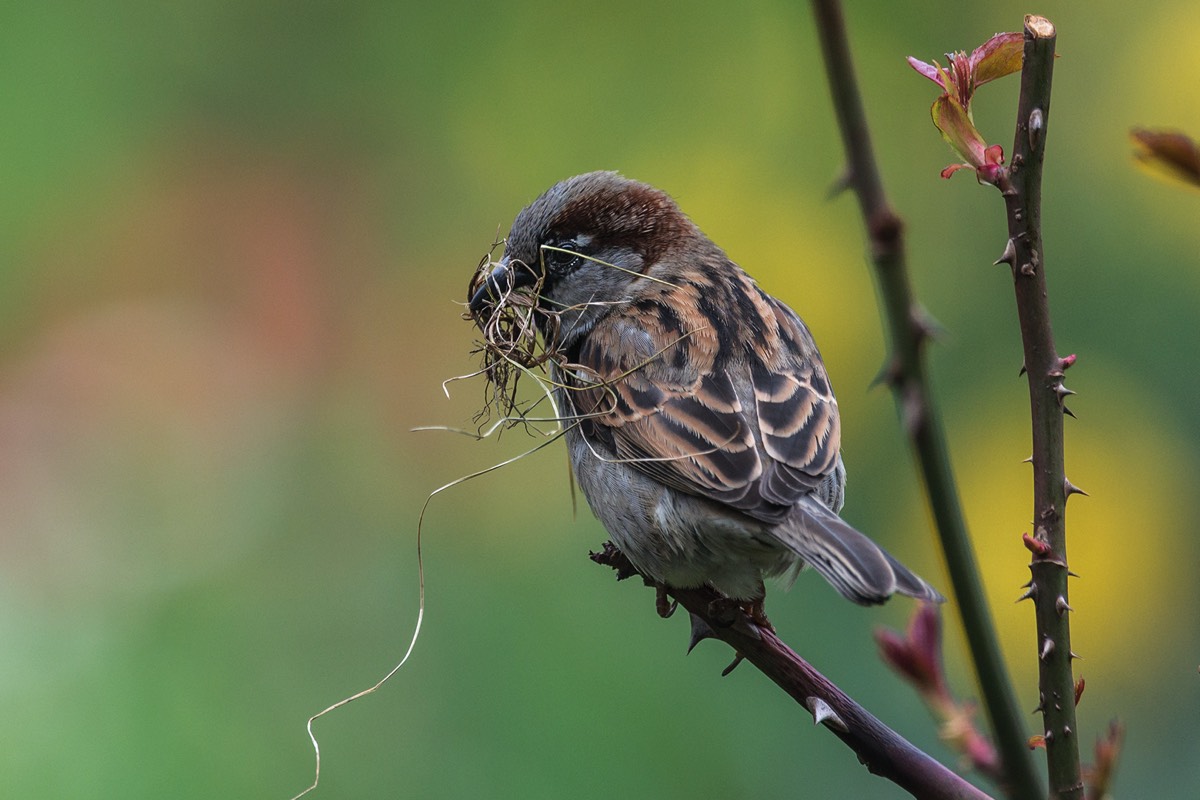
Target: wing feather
(749, 422)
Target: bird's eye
(561, 257)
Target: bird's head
(582, 246)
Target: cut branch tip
(1038, 27)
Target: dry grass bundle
(514, 330)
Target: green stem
(908, 377)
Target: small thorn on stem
(1062, 392)
(1029, 594)
(1072, 574)
(840, 184)
(1071, 489)
(1027, 460)
(890, 374)
(701, 630)
(1022, 370)
(1069, 412)
(1075, 656)
(823, 714)
(924, 326)
(1061, 605)
(1047, 649)
(738, 658)
(1009, 255)
(1027, 269)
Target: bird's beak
(504, 278)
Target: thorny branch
(882, 750)
(907, 375)
(1021, 188)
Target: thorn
(1066, 730)
(1071, 489)
(1069, 412)
(1027, 269)
(923, 324)
(1027, 460)
(1079, 684)
(737, 659)
(1049, 737)
(840, 184)
(1029, 594)
(1009, 255)
(1041, 707)
(1047, 649)
(1061, 605)
(1076, 656)
(1022, 370)
(701, 630)
(1072, 574)
(1062, 392)
(1027, 584)
(823, 714)
(889, 374)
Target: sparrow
(698, 415)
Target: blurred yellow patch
(1126, 540)
(799, 247)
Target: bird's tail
(858, 568)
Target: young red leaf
(999, 56)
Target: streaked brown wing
(755, 432)
(797, 412)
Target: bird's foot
(662, 603)
(725, 612)
(757, 613)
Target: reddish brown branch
(882, 750)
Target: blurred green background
(232, 240)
